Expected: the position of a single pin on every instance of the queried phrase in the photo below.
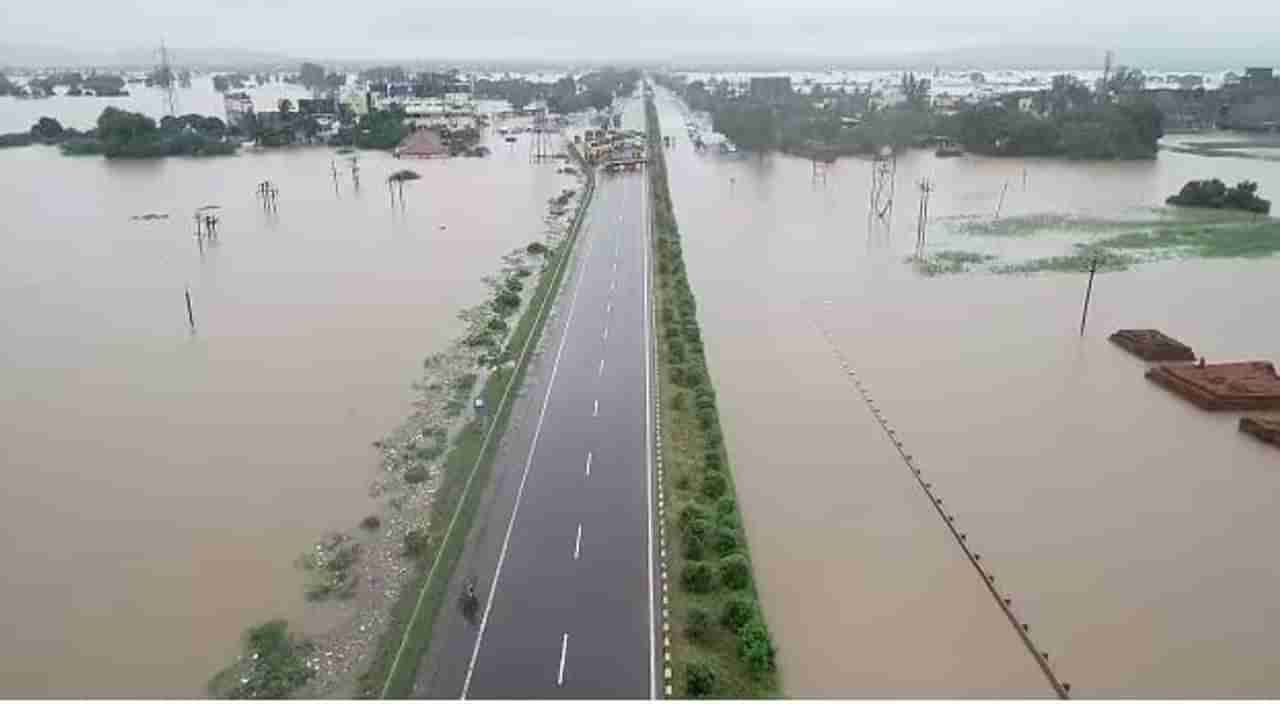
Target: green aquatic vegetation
(1080, 260)
(950, 261)
(1025, 225)
(273, 666)
(1240, 239)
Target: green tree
(47, 129)
(120, 126)
(755, 647)
(738, 611)
(735, 571)
(701, 679)
(697, 623)
(312, 76)
(8, 87)
(698, 577)
(1066, 92)
(1126, 80)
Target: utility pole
(191, 318)
(926, 188)
(1088, 292)
(165, 75)
(541, 148)
(1000, 205)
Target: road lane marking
(608, 307)
(615, 266)
(595, 411)
(601, 372)
(588, 464)
(564, 647)
(612, 284)
(606, 333)
(577, 543)
(524, 477)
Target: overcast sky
(608, 29)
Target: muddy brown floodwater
(1131, 530)
(159, 484)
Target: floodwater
(160, 483)
(81, 112)
(1131, 530)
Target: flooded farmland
(161, 483)
(1127, 527)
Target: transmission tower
(164, 76)
(884, 171)
(541, 148)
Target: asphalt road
(562, 547)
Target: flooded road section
(1129, 529)
(160, 484)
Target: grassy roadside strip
(467, 468)
(720, 646)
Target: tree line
(1068, 119)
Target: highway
(562, 546)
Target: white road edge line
(601, 372)
(524, 477)
(577, 542)
(564, 648)
(588, 464)
(605, 336)
(595, 409)
(648, 431)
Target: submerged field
(1114, 244)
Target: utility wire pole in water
(191, 318)
(1000, 205)
(1088, 292)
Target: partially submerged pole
(1088, 292)
(1000, 205)
(191, 318)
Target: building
(1252, 102)
(1186, 109)
(422, 144)
(771, 89)
(239, 109)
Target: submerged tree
(397, 179)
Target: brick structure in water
(1239, 386)
(1153, 346)
(1265, 429)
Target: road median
(716, 643)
